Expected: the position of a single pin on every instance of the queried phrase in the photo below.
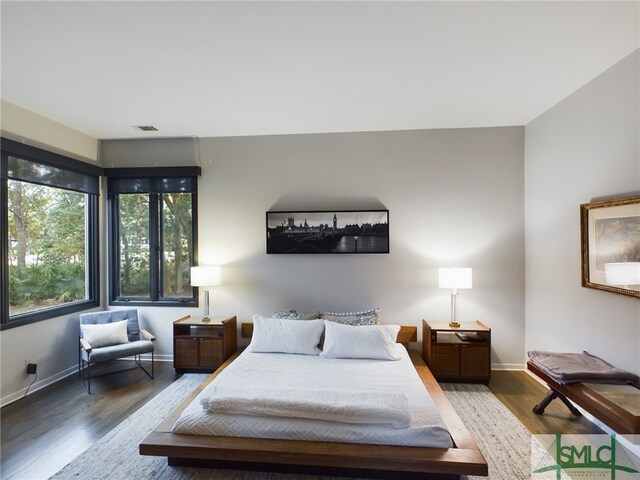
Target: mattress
(426, 428)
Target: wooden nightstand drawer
(445, 361)
(185, 352)
(474, 361)
(211, 352)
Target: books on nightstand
(469, 336)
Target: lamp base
(454, 324)
(206, 318)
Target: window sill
(49, 313)
(149, 303)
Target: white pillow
(279, 335)
(105, 334)
(365, 341)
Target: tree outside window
(47, 264)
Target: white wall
(584, 148)
(455, 198)
(22, 125)
(52, 344)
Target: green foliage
(177, 241)
(47, 246)
(134, 245)
(38, 286)
(176, 248)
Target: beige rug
(502, 438)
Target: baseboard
(45, 382)
(507, 366)
(38, 385)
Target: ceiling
(257, 68)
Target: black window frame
(44, 157)
(153, 176)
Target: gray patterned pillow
(367, 317)
(293, 315)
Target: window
(152, 220)
(49, 231)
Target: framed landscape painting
(611, 245)
(340, 231)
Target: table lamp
(622, 274)
(206, 276)
(456, 279)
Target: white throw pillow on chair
(105, 334)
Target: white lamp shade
(622, 273)
(453, 277)
(207, 276)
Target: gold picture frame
(610, 232)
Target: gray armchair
(135, 346)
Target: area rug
(504, 441)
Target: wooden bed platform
(330, 458)
(617, 406)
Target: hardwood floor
(46, 430)
(519, 392)
(43, 432)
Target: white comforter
(270, 371)
(332, 405)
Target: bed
(324, 454)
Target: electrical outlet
(32, 369)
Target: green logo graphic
(586, 456)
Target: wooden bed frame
(331, 458)
(609, 413)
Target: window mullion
(114, 239)
(154, 250)
(4, 250)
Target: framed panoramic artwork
(611, 245)
(339, 231)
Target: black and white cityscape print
(328, 232)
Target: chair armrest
(86, 346)
(147, 335)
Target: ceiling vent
(146, 128)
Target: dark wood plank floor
(43, 432)
(519, 392)
(48, 429)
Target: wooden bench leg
(569, 405)
(539, 408)
(551, 395)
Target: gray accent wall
(455, 198)
(585, 148)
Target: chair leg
(86, 379)
(138, 359)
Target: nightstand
(457, 354)
(200, 346)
